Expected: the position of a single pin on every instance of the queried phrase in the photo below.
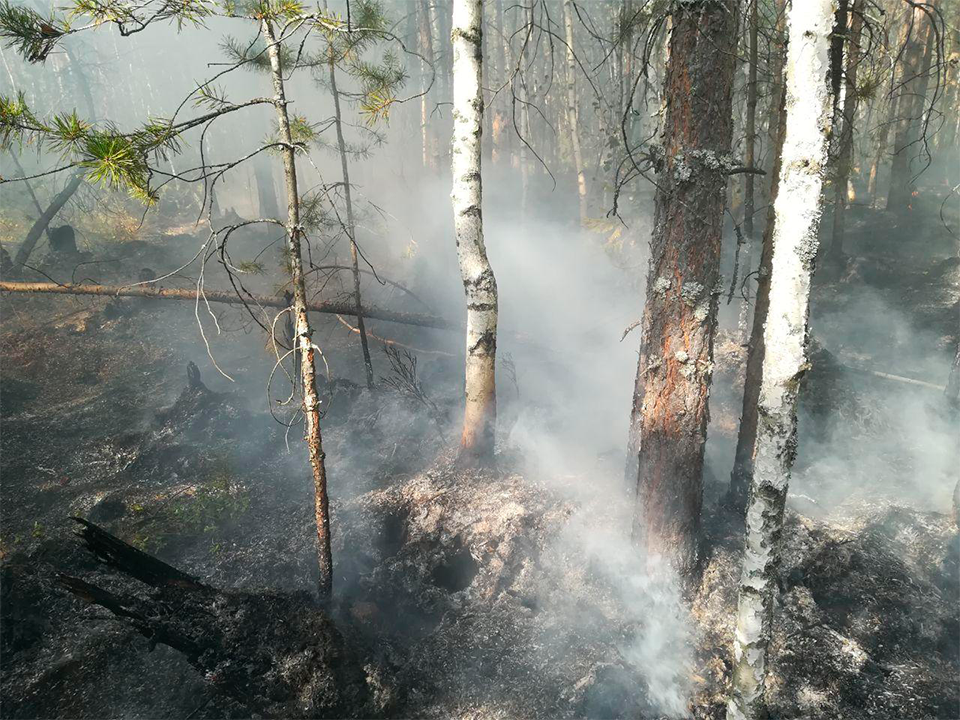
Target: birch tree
(668, 420)
(798, 210)
(479, 283)
(742, 473)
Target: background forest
(480, 359)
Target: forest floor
(508, 593)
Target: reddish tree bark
(668, 422)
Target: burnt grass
(449, 592)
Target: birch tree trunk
(479, 284)
(742, 473)
(798, 209)
(351, 225)
(668, 421)
(302, 329)
(845, 120)
(572, 111)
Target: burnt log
(279, 654)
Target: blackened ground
(475, 594)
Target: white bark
(798, 213)
(479, 283)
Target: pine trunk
(351, 225)
(668, 420)
(428, 79)
(479, 284)
(882, 139)
(304, 333)
(798, 209)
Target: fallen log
(279, 654)
(229, 298)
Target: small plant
(145, 543)
(215, 502)
(37, 531)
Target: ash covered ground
(494, 594)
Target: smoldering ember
(480, 359)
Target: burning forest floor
(469, 594)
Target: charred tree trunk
(276, 653)
(304, 333)
(572, 118)
(836, 54)
(749, 201)
(479, 283)
(668, 421)
(750, 155)
(742, 474)
(798, 209)
(266, 191)
(952, 391)
(916, 67)
(351, 225)
(40, 226)
(884, 130)
(844, 132)
(775, 102)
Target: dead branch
(277, 653)
(226, 297)
(386, 341)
